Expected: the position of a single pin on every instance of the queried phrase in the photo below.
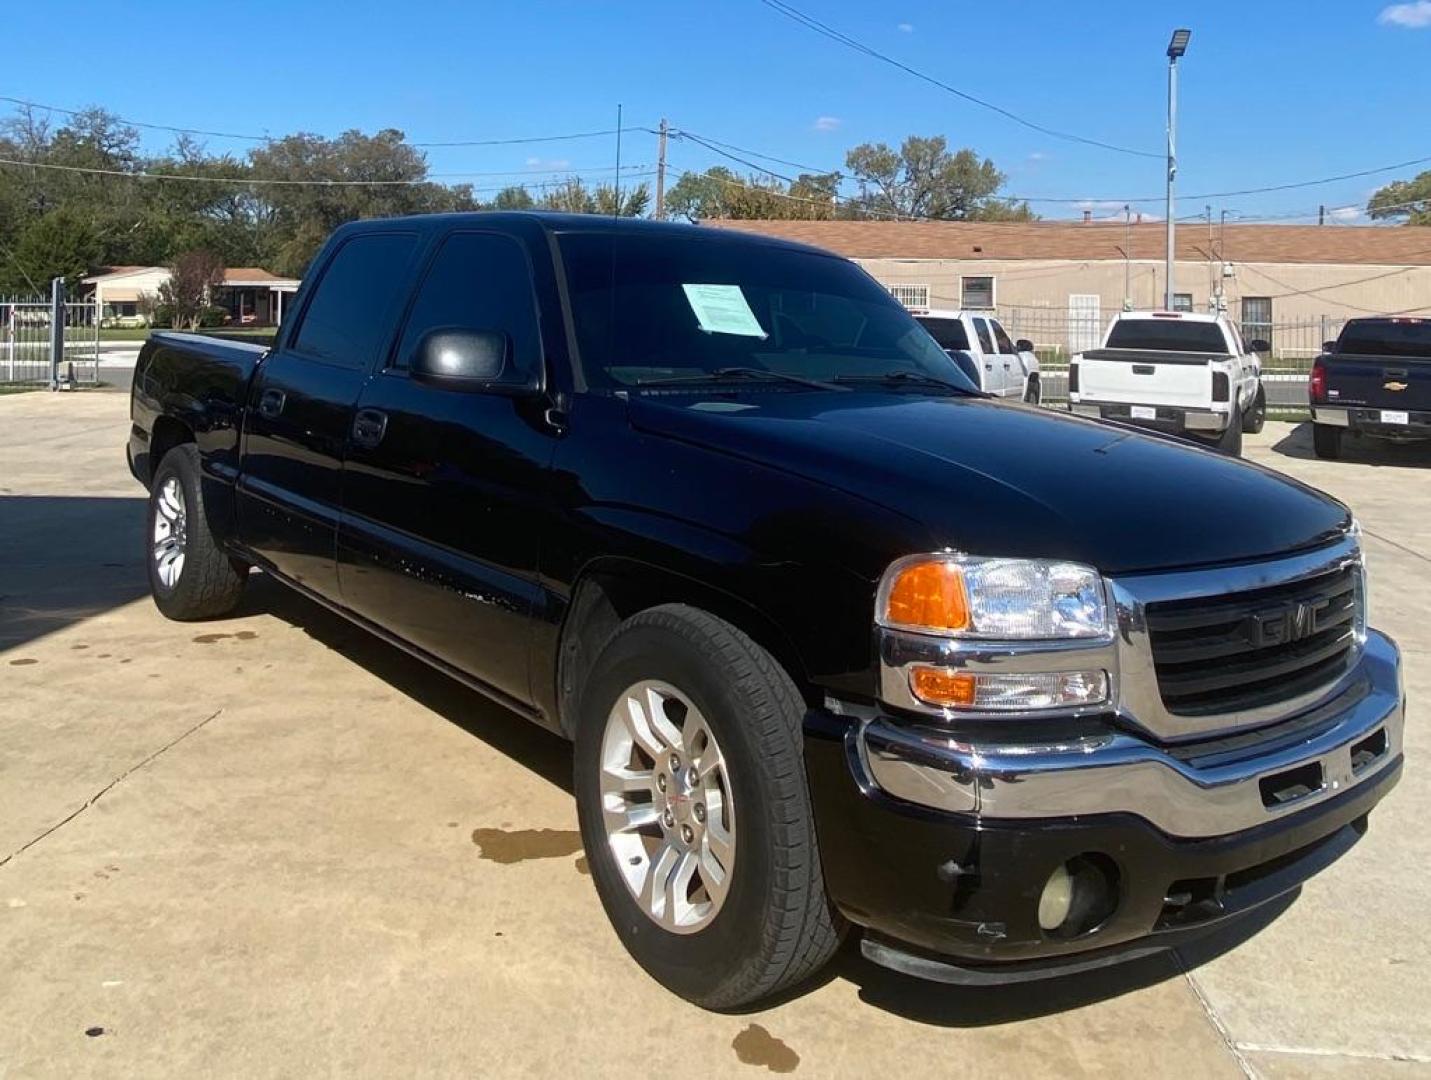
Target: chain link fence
(1058, 334)
(27, 333)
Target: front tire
(1327, 441)
(190, 575)
(695, 812)
(1256, 417)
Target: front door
(1012, 369)
(444, 490)
(301, 406)
(989, 363)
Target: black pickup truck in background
(840, 640)
(1375, 380)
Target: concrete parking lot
(273, 846)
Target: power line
(844, 39)
(268, 182)
(245, 137)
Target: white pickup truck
(984, 351)
(1176, 372)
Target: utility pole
(1127, 257)
(661, 172)
(1321, 215)
(1177, 47)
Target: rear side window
(352, 313)
(1386, 337)
(981, 327)
(949, 333)
(479, 281)
(1167, 335)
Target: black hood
(989, 478)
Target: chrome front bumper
(1203, 788)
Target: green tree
(61, 243)
(515, 197)
(720, 193)
(1407, 201)
(924, 179)
(574, 197)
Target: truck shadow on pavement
(1358, 450)
(67, 559)
(546, 754)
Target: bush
(213, 315)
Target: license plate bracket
(1395, 416)
(1143, 412)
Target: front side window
(478, 281)
(986, 340)
(353, 310)
(1002, 338)
(977, 293)
(648, 309)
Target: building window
(1182, 301)
(976, 293)
(915, 297)
(1256, 318)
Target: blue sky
(1271, 91)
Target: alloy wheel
(170, 532)
(667, 806)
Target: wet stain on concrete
(24, 661)
(127, 660)
(756, 1046)
(519, 845)
(103, 656)
(210, 639)
(582, 866)
(78, 647)
(94, 1032)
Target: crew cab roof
(555, 222)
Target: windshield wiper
(729, 374)
(910, 378)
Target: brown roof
(250, 273)
(1394, 245)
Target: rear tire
(678, 693)
(1230, 441)
(1256, 417)
(1327, 441)
(190, 575)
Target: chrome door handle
(369, 427)
(271, 403)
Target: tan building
(253, 297)
(1059, 283)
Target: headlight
(994, 599)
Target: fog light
(1056, 900)
(1013, 692)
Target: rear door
(444, 489)
(989, 361)
(301, 405)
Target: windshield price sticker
(722, 309)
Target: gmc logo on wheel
(1281, 626)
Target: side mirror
(472, 360)
(1329, 346)
(1024, 345)
(1259, 345)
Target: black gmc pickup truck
(1374, 380)
(840, 640)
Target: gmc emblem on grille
(1284, 625)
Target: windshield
(1386, 337)
(1166, 335)
(653, 308)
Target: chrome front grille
(1225, 653)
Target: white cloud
(1345, 213)
(1412, 16)
(1037, 155)
(552, 164)
(905, 28)
(826, 123)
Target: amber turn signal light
(940, 686)
(928, 595)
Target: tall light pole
(1176, 48)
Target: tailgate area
(1139, 380)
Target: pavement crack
(1319, 1051)
(102, 792)
(1232, 1047)
(1399, 547)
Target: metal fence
(27, 333)
(1057, 334)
